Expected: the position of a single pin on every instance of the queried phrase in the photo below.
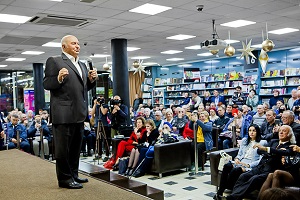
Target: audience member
(229, 111)
(246, 159)
(136, 102)
(238, 97)
(186, 100)
(206, 98)
(252, 99)
(291, 100)
(222, 120)
(218, 99)
(158, 120)
(195, 101)
(119, 116)
(213, 115)
(179, 121)
(267, 127)
(275, 98)
(259, 117)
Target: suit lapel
(84, 72)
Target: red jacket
(187, 132)
(133, 137)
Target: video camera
(115, 102)
(100, 100)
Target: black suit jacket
(272, 161)
(68, 100)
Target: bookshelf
(146, 88)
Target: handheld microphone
(90, 63)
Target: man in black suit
(68, 81)
(270, 161)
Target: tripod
(99, 134)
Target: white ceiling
(112, 20)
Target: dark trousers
(200, 148)
(229, 177)
(68, 140)
(247, 183)
(145, 160)
(89, 140)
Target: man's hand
(93, 75)
(295, 148)
(62, 74)
(14, 140)
(37, 125)
(2, 134)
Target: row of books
(274, 73)
(166, 81)
(292, 71)
(250, 79)
(273, 83)
(171, 101)
(270, 91)
(233, 75)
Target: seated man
(89, 140)
(267, 127)
(259, 117)
(271, 160)
(12, 128)
(34, 131)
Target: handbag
(292, 161)
(123, 164)
(225, 158)
(227, 134)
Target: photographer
(34, 131)
(119, 116)
(102, 117)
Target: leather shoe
(70, 185)
(218, 197)
(81, 180)
(138, 173)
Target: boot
(127, 171)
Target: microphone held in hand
(90, 63)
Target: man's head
(204, 116)
(286, 134)
(186, 94)
(229, 108)
(270, 116)
(70, 45)
(260, 109)
(23, 117)
(221, 111)
(38, 119)
(147, 112)
(216, 93)
(14, 119)
(245, 109)
(294, 94)
(158, 115)
(29, 113)
(276, 93)
(287, 117)
(266, 106)
(238, 89)
(279, 103)
(194, 94)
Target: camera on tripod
(115, 102)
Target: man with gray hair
(259, 117)
(291, 100)
(158, 119)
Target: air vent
(49, 19)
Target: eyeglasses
(180, 111)
(166, 127)
(157, 115)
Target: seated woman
(204, 135)
(139, 153)
(135, 138)
(246, 159)
(287, 180)
(34, 131)
(164, 137)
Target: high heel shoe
(115, 167)
(127, 171)
(131, 171)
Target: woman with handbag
(246, 159)
(134, 139)
(285, 179)
(148, 139)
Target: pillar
(120, 70)
(39, 92)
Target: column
(120, 69)
(39, 93)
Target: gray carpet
(24, 176)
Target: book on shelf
(146, 95)
(148, 81)
(186, 87)
(292, 71)
(146, 88)
(270, 91)
(157, 93)
(293, 81)
(177, 80)
(163, 81)
(234, 75)
(157, 81)
(250, 79)
(271, 83)
(274, 73)
(199, 86)
(170, 88)
(219, 77)
(158, 100)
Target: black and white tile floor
(177, 185)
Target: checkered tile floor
(177, 185)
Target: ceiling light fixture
(52, 44)
(205, 54)
(174, 59)
(15, 59)
(132, 48)
(180, 37)
(150, 9)
(3, 65)
(195, 47)
(238, 23)
(228, 41)
(140, 57)
(33, 52)
(284, 31)
(171, 52)
(99, 56)
(17, 19)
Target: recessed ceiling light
(257, 46)
(174, 59)
(238, 23)
(3, 65)
(231, 41)
(150, 9)
(171, 52)
(204, 54)
(99, 56)
(132, 48)
(52, 44)
(195, 47)
(18, 19)
(33, 52)
(295, 49)
(56, 0)
(15, 59)
(212, 61)
(180, 37)
(150, 63)
(140, 57)
(283, 31)
(185, 65)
